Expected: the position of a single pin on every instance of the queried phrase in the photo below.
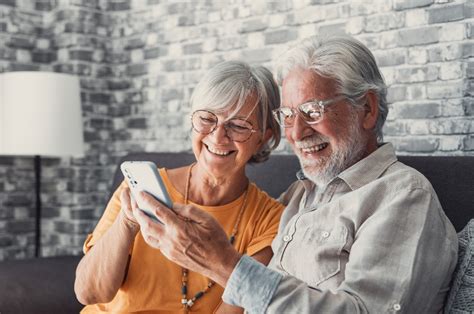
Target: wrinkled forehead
(303, 85)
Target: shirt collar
(370, 168)
(307, 184)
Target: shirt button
(397, 307)
(325, 234)
(286, 238)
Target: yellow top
(153, 283)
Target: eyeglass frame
(252, 130)
(323, 104)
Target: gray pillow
(461, 296)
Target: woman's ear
(265, 138)
(371, 112)
(267, 135)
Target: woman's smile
(219, 151)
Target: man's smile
(314, 149)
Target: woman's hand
(189, 237)
(102, 271)
(127, 207)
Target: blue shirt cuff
(251, 285)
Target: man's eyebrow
(301, 103)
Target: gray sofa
(45, 285)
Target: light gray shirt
(374, 240)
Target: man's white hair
(347, 61)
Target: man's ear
(371, 112)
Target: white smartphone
(144, 176)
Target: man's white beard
(322, 170)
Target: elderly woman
(232, 125)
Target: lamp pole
(37, 162)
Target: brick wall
(139, 60)
(69, 37)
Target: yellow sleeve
(266, 226)
(110, 214)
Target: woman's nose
(220, 133)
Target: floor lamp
(40, 115)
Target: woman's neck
(207, 189)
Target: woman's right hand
(101, 272)
(127, 207)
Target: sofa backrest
(451, 177)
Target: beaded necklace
(188, 303)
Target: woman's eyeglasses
(237, 129)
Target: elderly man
(361, 233)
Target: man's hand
(189, 237)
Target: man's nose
(300, 128)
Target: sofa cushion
(461, 295)
(452, 178)
(39, 285)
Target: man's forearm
(295, 296)
(101, 271)
(259, 289)
(251, 285)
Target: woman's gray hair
(227, 86)
(345, 60)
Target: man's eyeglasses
(238, 130)
(311, 112)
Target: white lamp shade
(40, 114)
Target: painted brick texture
(139, 61)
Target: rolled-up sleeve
(251, 285)
(259, 289)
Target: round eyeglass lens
(311, 112)
(238, 130)
(204, 121)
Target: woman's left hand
(189, 237)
